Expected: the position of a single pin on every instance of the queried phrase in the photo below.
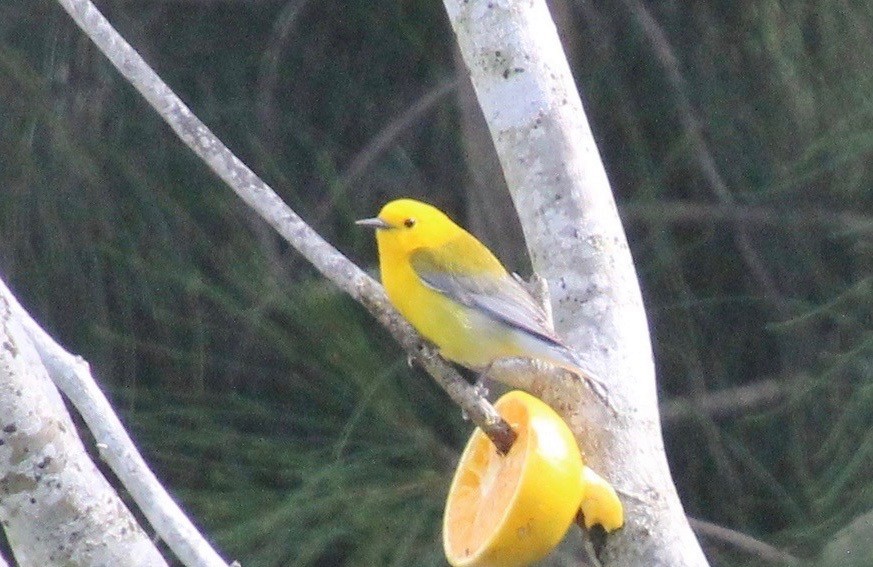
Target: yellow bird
(454, 291)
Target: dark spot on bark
(45, 462)
(2, 442)
(506, 74)
(10, 347)
(32, 500)
(11, 428)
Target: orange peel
(600, 503)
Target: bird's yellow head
(405, 225)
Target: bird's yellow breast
(463, 335)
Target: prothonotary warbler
(454, 291)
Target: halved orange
(512, 510)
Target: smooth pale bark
(72, 375)
(55, 506)
(576, 242)
(490, 212)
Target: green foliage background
(292, 430)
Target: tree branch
(576, 242)
(706, 161)
(691, 212)
(73, 377)
(377, 145)
(55, 506)
(367, 156)
(724, 403)
(258, 195)
(746, 543)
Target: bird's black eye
(409, 223)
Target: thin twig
(268, 76)
(691, 212)
(724, 403)
(743, 542)
(383, 140)
(379, 144)
(260, 197)
(706, 161)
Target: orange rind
(600, 504)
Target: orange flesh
(488, 485)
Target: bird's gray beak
(376, 223)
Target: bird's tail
(567, 359)
(559, 354)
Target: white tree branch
(576, 242)
(55, 506)
(72, 375)
(260, 197)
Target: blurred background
(738, 137)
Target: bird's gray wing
(498, 296)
